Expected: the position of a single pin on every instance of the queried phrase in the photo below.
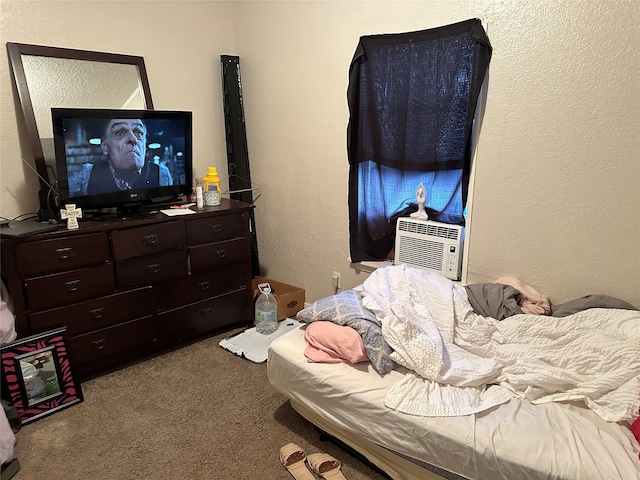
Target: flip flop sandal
(292, 458)
(326, 466)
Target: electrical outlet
(335, 280)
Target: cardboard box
(290, 299)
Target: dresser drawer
(200, 317)
(151, 269)
(112, 340)
(196, 287)
(214, 255)
(214, 229)
(47, 256)
(69, 287)
(150, 239)
(94, 314)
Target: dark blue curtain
(412, 100)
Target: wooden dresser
(128, 288)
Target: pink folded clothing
(331, 343)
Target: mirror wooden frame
(16, 51)
(68, 390)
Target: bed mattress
(513, 440)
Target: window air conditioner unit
(430, 245)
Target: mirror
(47, 77)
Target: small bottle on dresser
(199, 195)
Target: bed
(445, 392)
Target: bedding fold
(428, 321)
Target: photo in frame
(37, 375)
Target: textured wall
(557, 188)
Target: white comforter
(464, 363)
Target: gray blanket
(493, 300)
(589, 301)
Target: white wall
(557, 188)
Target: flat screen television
(122, 163)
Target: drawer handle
(97, 313)
(221, 253)
(64, 253)
(150, 239)
(99, 344)
(217, 228)
(207, 311)
(204, 285)
(153, 268)
(72, 286)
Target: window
(412, 100)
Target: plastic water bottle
(266, 311)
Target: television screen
(122, 160)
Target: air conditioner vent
(413, 227)
(436, 230)
(420, 252)
(442, 232)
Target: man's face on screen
(125, 142)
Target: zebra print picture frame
(37, 375)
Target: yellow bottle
(211, 179)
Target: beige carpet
(199, 412)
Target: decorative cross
(71, 214)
